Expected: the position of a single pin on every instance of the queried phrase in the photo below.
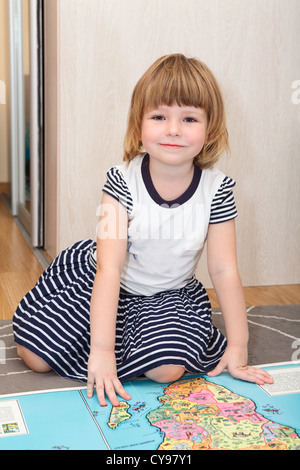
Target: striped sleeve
(223, 206)
(116, 187)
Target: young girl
(130, 305)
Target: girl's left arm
(223, 271)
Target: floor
(20, 269)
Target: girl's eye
(189, 119)
(158, 118)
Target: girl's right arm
(111, 252)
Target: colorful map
(200, 415)
(194, 413)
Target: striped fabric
(223, 205)
(116, 187)
(165, 327)
(171, 327)
(52, 320)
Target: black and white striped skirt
(171, 327)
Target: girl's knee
(166, 373)
(34, 362)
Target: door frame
(32, 220)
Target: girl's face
(174, 134)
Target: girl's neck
(170, 181)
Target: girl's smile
(172, 146)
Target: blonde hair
(187, 82)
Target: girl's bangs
(168, 88)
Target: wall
(252, 46)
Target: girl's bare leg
(166, 373)
(36, 363)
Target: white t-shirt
(166, 238)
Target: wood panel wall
(252, 46)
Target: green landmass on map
(118, 414)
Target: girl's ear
(142, 149)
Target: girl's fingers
(262, 376)
(113, 388)
(253, 374)
(121, 390)
(101, 394)
(110, 387)
(110, 392)
(90, 389)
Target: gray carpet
(274, 332)
(274, 337)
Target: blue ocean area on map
(158, 416)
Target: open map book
(193, 413)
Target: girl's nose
(173, 128)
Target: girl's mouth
(172, 146)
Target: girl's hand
(102, 374)
(235, 360)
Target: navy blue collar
(154, 194)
